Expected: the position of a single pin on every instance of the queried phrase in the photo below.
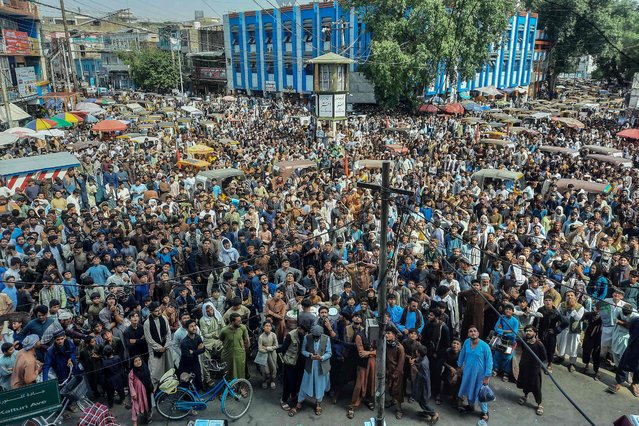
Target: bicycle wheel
(166, 404)
(237, 398)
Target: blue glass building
(267, 50)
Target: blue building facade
(267, 50)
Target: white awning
(17, 113)
(135, 107)
(191, 110)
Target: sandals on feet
(540, 410)
(522, 400)
(485, 416)
(370, 405)
(399, 414)
(293, 411)
(505, 378)
(350, 413)
(318, 410)
(284, 406)
(434, 419)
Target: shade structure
(67, 116)
(629, 134)
(228, 98)
(199, 149)
(91, 108)
(109, 126)
(428, 109)
(129, 136)
(52, 133)
(489, 91)
(570, 122)
(17, 113)
(454, 108)
(62, 124)
(90, 119)
(41, 124)
(193, 162)
(22, 131)
(8, 138)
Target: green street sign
(29, 401)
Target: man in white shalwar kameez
(158, 337)
(568, 340)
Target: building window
(268, 33)
(289, 69)
(341, 78)
(236, 38)
(269, 68)
(237, 67)
(327, 27)
(288, 32)
(308, 30)
(308, 69)
(325, 78)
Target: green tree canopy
(152, 69)
(413, 39)
(619, 60)
(576, 28)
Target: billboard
(26, 77)
(209, 73)
(16, 42)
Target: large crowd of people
(129, 266)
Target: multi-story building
(94, 46)
(268, 50)
(209, 62)
(112, 65)
(540, 62)
(21, 59)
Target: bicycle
(235, 400)
(71, 391)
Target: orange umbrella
(629, 134)
(454, 108)
(109, 126)
(428, 109)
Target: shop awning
(17, 113)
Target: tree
(619, 60)
(152, 69)
(414, 40)
(575, 28)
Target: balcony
(19, 8)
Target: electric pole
(380, 362)
(67, 42)
(5, 95)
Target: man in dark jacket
(60, 357)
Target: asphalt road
(602, 407)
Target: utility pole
(5, 95)
(380, 362)
(65, 67)
(179, 55)
(68, 48)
